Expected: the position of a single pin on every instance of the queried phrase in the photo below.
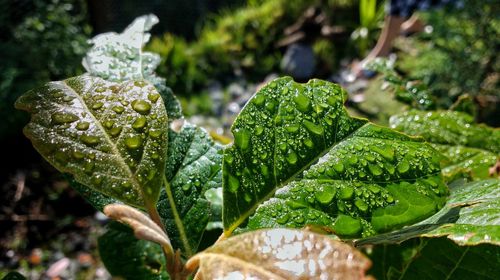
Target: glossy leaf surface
(119, 57)
(351, 177)
(435, 259)
(470, 217)
(468, 148)
(126, 256)
(111, 137)
(193, 167)
(280, 254)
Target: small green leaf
(330, 169)
(130, 258)
(106, 153)
(119, 57)
(14, 276)
(280, 254)
(468, 148)
(193, 167)
(470, 217)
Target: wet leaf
(470, 217)
(468, 148)
(130, 258)
(435, 259)
(331, 170)
(193, 167)
(119, 57)
(280, 254)
(109, 136)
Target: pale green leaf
(280, 254)
(351, 177)
(111, 137)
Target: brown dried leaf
(280, 254)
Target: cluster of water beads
(127, 115)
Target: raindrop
(139, 122)
(82, 125)
(118, 109)
(242, 139)
(133, 142)
(62, 118)
(89, 140)
(234, 183)
(97, 105)
(115, 131)
(303, 103)
(314, 128)
(291, 157)
(141, 106)
(346, 193)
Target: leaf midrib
(114, 148)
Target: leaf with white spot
(280, 254)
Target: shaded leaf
(193, 167)
(119, 57)
(352, 177)
(110, 136)
(130, 258)
(468, 148)
(435, 258)
(14, 276)
(280, 254)
(470, 217)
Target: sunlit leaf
(119, 57)
(280, 254)
(468, 148)
(332, 170)
(470, 217)
(111, 137)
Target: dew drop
(118, 109)
(346, 193)
(361, 205)
(283, 219)
(89, 140)
(133, 142)
(242, 139)
(139, 122)
(78, 155)
(115, 131)
(141, 106)
(153, 97)
(308, 143)
(62, 118)
(314, 128)
(375, 169)
(291, 157)
(97, 105)
(303, 103)
(82, 125)
(259, 99)
(258, 130)
(325, 195)
(234, 183)
(108, 124)
(403, 166)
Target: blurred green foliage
(41, 40)
(460, 55)
(241, 42)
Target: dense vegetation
(417, 199)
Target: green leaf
(119, 57)
(280, 254)
(110, 136)
(14, 276)
(193, 167)
(130, 258)
(468, 148)
(352, 177)
(435, 258)
(470, 217)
